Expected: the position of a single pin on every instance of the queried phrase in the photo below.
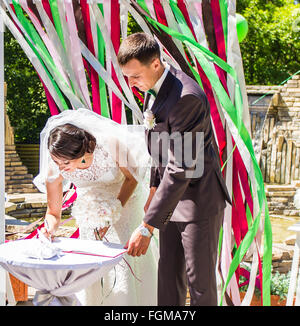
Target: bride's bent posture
(83, 148)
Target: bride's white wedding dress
(97, 189)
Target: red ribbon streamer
(51, 103)
(115, 38)
(93, 74)
(220, 40)
(244, 180)
(239, 219)
(218, 27)
(47, 8)
(220, 132)
(160, 14)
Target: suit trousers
(188, 254)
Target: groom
(187, 199)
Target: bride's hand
(100, 233)
(48, 230)
(47, 233)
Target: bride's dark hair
(70, 142)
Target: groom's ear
(156, 63)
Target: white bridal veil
(125, 143)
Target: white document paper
(89, 247)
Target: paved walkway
(30, 197)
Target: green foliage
(271, 49)
(279, 284)
(133, 26)
(26, 103)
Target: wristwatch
(144, 231)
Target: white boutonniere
(149, 119)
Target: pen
(97, 235)
(47, 228)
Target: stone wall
(276, 131)
(275, 127)
(281, 200)
(29, 206)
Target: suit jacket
(183, 195)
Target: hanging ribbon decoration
(90, 44)
(233, 114)
(73, 46)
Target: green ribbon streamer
(204, 57)
(224, 14)
(228, 158)
(101, 58)
(248, 216)
(58, 28)
(39, 43)
(56, 20)
(296, 73)
(235, 113)
(143, 4)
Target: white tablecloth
(58, 278)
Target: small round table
(57, 279)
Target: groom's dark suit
(187, 210)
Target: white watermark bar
(182, 152)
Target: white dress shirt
(157, 86)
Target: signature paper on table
(90, 247)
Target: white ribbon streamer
(94, 32)
(251, 286)
(172, 23)
(196, 19)
(55, 74)
(76, 57)
(234, 59)
(108, 80)
(79, 95)
(226, 258)
(107, 39)
(53, 36)
(50, 46)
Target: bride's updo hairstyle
(70, 142)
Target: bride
(107, 163)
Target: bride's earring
(83, 161)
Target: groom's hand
(138, 244)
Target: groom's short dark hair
(140, 46)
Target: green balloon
(242, 27)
